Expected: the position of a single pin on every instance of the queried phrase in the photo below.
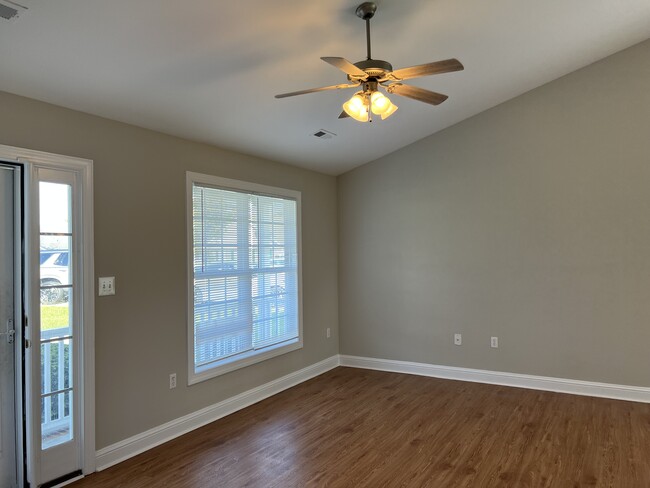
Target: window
(244, 270)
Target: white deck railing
(56, 423)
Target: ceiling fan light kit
(370, 74)
(368, 101)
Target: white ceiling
(207, 70)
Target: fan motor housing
(374, 68)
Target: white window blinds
(245, 269)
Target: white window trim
(84, 168)
(252, 357)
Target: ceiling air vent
(11, 10)
(324, 134)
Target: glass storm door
(59, 437)
(8, 438)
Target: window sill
(241, 361)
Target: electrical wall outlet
(494, 342)
(458, 339)
(328, 333)
(172, 381)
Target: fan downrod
(366, 10)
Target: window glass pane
(245, 273)
(56, 366)
(55, 208)
(55, 262)
(275, 315)
(56, 319)
(56, 419)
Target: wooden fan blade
(313, 90)
(416, 93)
(345, 66)
(343, 115)
(435, 68)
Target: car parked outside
(55, 271)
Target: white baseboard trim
(123, 450)
(560, 385)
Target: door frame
(83, 168)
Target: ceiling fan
(370, 74)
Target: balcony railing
(56, 387)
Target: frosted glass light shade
(357, 108)
(392, 108)
(381, 105)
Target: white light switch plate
(107, 286)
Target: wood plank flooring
(361, 428)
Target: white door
(8, 439)
(58, 323)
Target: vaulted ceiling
(208, 70)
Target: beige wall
(530, 222)
(140, 238)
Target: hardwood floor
(361, 428)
